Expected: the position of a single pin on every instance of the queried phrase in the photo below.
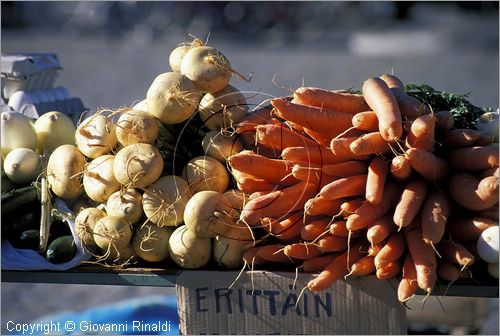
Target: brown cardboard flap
(263, 302)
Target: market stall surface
(445, 52)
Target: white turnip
(206, 173)
(223, 109)
(112, 233)
(236, 198)
(172, 98)
(207, 214)
(188, 250)
(125, 203)
(165, 200)
(207, 67)
(138, 165)
(121, 256)
(64, 172)
(220, 146)
(150, 242)
(229, 252)
(96, 135)
(136, 126)
(99, 179)
(84, 226)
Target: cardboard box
(263, 302)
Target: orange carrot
(296, 127)
(444, 120)
(330, 243)
(344, 169)
(277, 203)
(380, 229)
(273, 254)
(454, 138)
(341, 146)
(424, 258)
(368, 213)
(374, 249)
(478, 158)
(321, 120)
(338, 100)
(286, 228)
(279, 137)
(302, 251)
(466, 230)
(435, 213)
(408, 285)
(455, 253)
(251, 257)
(338, 268)
(389, 270)
(339, 229)
(472, 193)
(393, 249)
(321, 139)
(260, 116)
(321, 206)
(249, 142)
(317, 264)
(272, 170)
(251, 184)
(382, 101)
(447, 271)
(317, 155)
(328, 172)
(256, 194)
(363, 266)
(311, 174)
(410, 107)
(421, 134)
(365, 121)
(400, 168)
(344, 187)
(429, 166)
(375, 180)
(349, 207)
(370, 143)
(410, 202)
(314, 229)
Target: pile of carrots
(370, 183)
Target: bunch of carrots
(368, 183)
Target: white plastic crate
(34, 104)
(28, 72)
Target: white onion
(17, 132)
(22, 165)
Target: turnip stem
(45, 217)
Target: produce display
(397, 181)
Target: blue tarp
(150, 315)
